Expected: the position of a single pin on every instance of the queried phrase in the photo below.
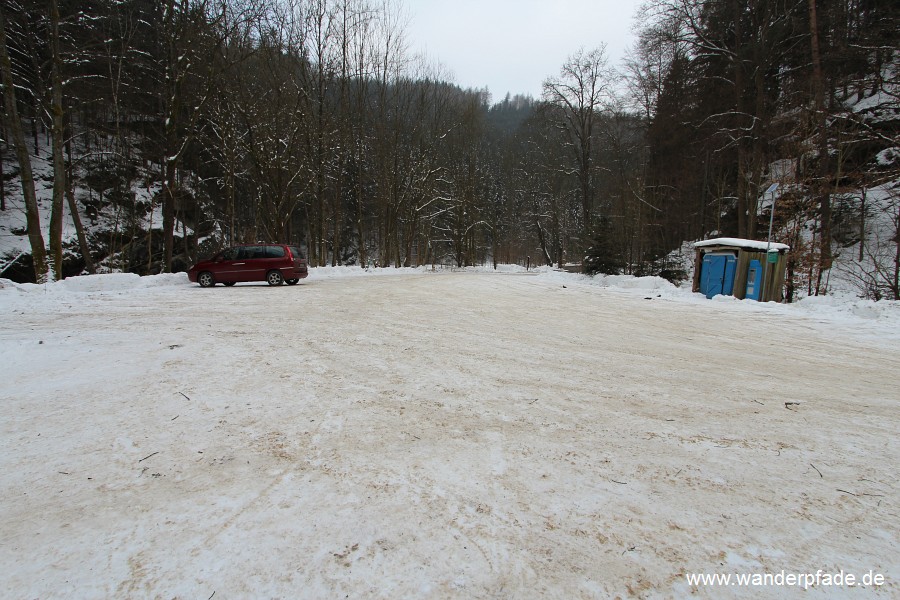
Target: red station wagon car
(273, 263)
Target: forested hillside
(172, 128)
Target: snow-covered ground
(449, 434)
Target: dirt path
(464, 435)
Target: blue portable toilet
(754, 280)
(717, 275)
(740, 268)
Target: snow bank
(106, 282)
(340, 272)
(111, 282)
(842, 304)
(21, 295)
(627, 282)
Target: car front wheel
(205, 279)
(275, 278)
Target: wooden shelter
(740, 268)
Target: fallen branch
(619, 482)
(817, 471)
(148, 456)
(182, 393)
(846, 492)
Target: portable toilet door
(717, 274)
(754, 280)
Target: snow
(879, 107)
(448, 433)
(741, 243)
(888, 156)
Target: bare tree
(818, 83)
(14, 126)
(193, 35)
(581, 90)
(876, 272)
(57, 135)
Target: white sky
(513, 45)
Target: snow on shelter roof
(740, 243)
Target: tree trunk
(171, 91)
(57, 135)
(2, 185)
(895, 282)
(360, 216)
(14, 126)
(739, 109)
(168, 202)
(825, 257)
(79, 230)
(542, 238)
(587, 167)
(862, 224)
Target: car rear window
(296, 252)
(274, 252)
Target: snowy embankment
(447, 434)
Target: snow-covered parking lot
(434, 435)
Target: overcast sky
(513, 45)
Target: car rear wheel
(292, 281)
(275, 278)
(206, 279)
(228, 283)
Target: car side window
(274, 252)
(227, 254)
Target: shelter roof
(755, 245)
